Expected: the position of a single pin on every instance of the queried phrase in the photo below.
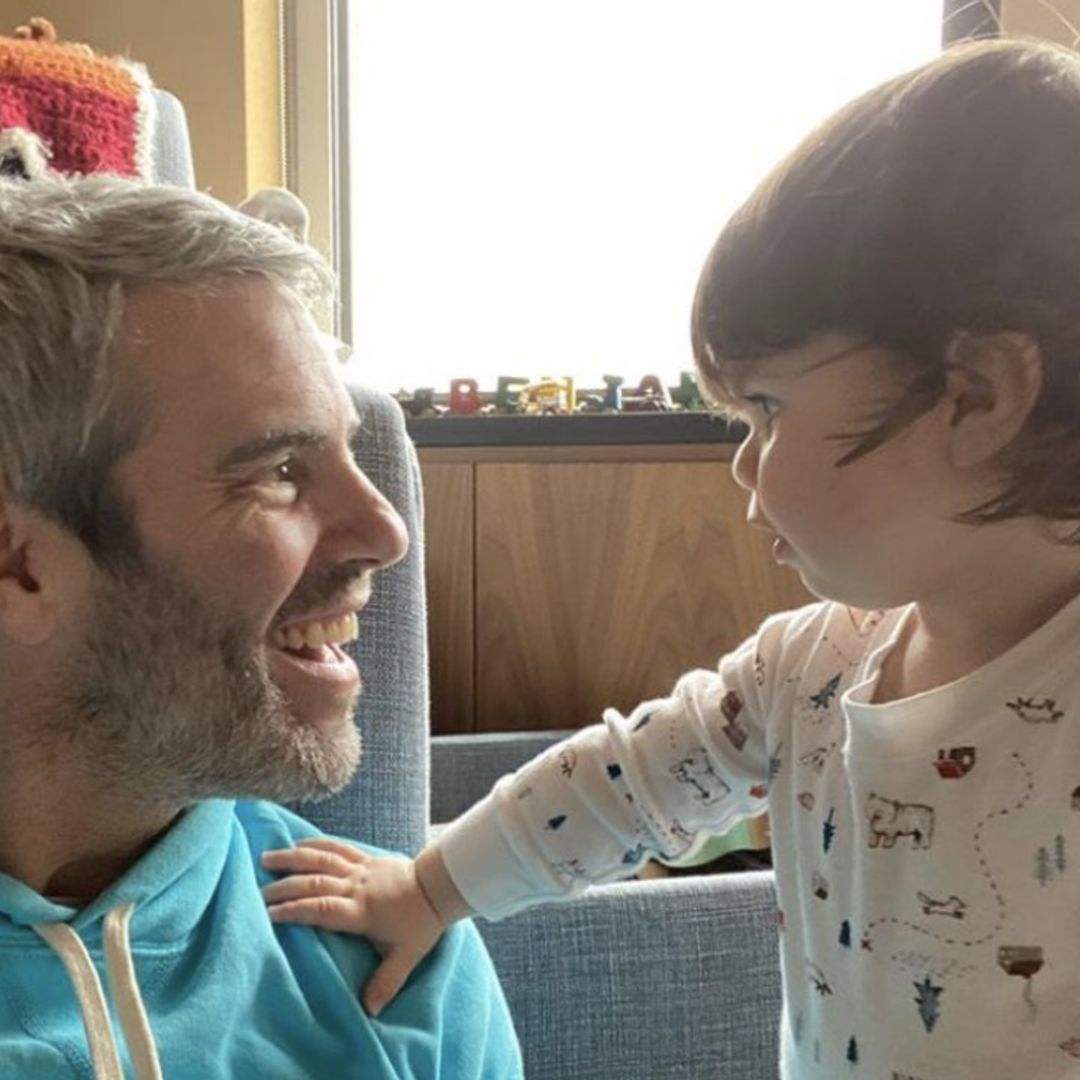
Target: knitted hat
(64, 108)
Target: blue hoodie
(200, 980)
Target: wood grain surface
(598, 584)
(450, 575)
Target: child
(896, 314)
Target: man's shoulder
(269, 825)
(454, 990)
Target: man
(185, 542)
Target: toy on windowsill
(465, 398)
(548, 397)
(609, 402)
(651, 396)
(613, 393)
(516, 396)
(419, 402)
(687, 393)
(508, 393)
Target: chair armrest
(641, 980)
(465, 767)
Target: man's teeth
(319, 632)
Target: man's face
(212, 665)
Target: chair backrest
(386, 802)
(171, 141)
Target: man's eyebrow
(275, 441)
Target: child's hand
(339, 887)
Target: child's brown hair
(945, 202)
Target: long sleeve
(595, 807)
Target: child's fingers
(389, 978)
(303, 886)
(307, 860)
(337, 847)
(330, 912)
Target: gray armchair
(638, 981)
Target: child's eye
(763, 405)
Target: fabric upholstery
(639, 981)
(464, 767)
(386, 802)
(172, 145)
(646, 980)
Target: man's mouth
(317, 639)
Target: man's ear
(991, 386)
(30, 571)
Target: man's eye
(289, 471)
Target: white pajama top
(927, 850)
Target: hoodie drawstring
(80, 968)
(125, 988)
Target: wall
(1050, 20)
(218, 56)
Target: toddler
(895, 313)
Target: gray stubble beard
(170, 703)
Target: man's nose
(366, 526)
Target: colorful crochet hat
(66, 109)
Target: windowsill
(578, 430)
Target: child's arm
(597, 806)
(593, 808)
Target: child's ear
(991, 386)
(29, 554)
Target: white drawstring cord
(84, 977)
(125, 988)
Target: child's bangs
(754, 299)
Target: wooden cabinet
(449, 535)
(564, 580)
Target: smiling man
(185, 544)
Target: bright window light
(534, 186)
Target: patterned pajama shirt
(927, 850)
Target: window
(533, 186)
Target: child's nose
(744, 464)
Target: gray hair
(70, 250)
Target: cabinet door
(450, 580)
(600, 583)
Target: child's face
(876, 532)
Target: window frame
(315, 131)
